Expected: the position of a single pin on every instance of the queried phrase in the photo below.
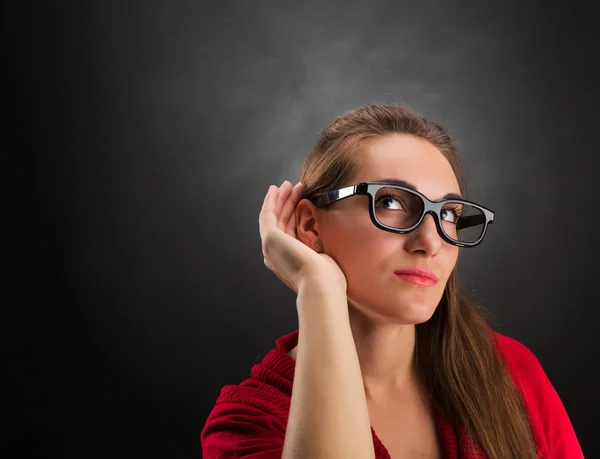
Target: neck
(386, 355)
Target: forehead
(409, 158)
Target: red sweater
(249, 419)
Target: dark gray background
(147, 134)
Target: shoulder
(549, 420)
(265, 392)
(525, 369)
(259, 394)
(251, 417)
(527, 374)
(522, 363)
(269, 385)
(243, 424)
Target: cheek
(365, 252)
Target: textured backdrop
(152, 130)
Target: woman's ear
(307, 223)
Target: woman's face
(369, 256)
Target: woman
(390, 359)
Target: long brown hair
(454, 351)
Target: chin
(410, 314)
(400, 312)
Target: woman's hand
(292, 261)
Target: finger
(268, 203)
(291, 227)
(284, 191)
(291, 204)
(267, 218)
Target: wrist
(321, 286)
(321, 295)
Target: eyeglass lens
(402, 209)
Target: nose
(425, 237)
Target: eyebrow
(406, 184)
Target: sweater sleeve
(550, 422)
(235, 430)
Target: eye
(451, 214)
(389, 201)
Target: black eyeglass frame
(429, 207)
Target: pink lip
(418, 276)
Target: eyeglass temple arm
(471, 220)
(324, 199)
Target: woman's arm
(328, 412)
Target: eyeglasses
(399, 209)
